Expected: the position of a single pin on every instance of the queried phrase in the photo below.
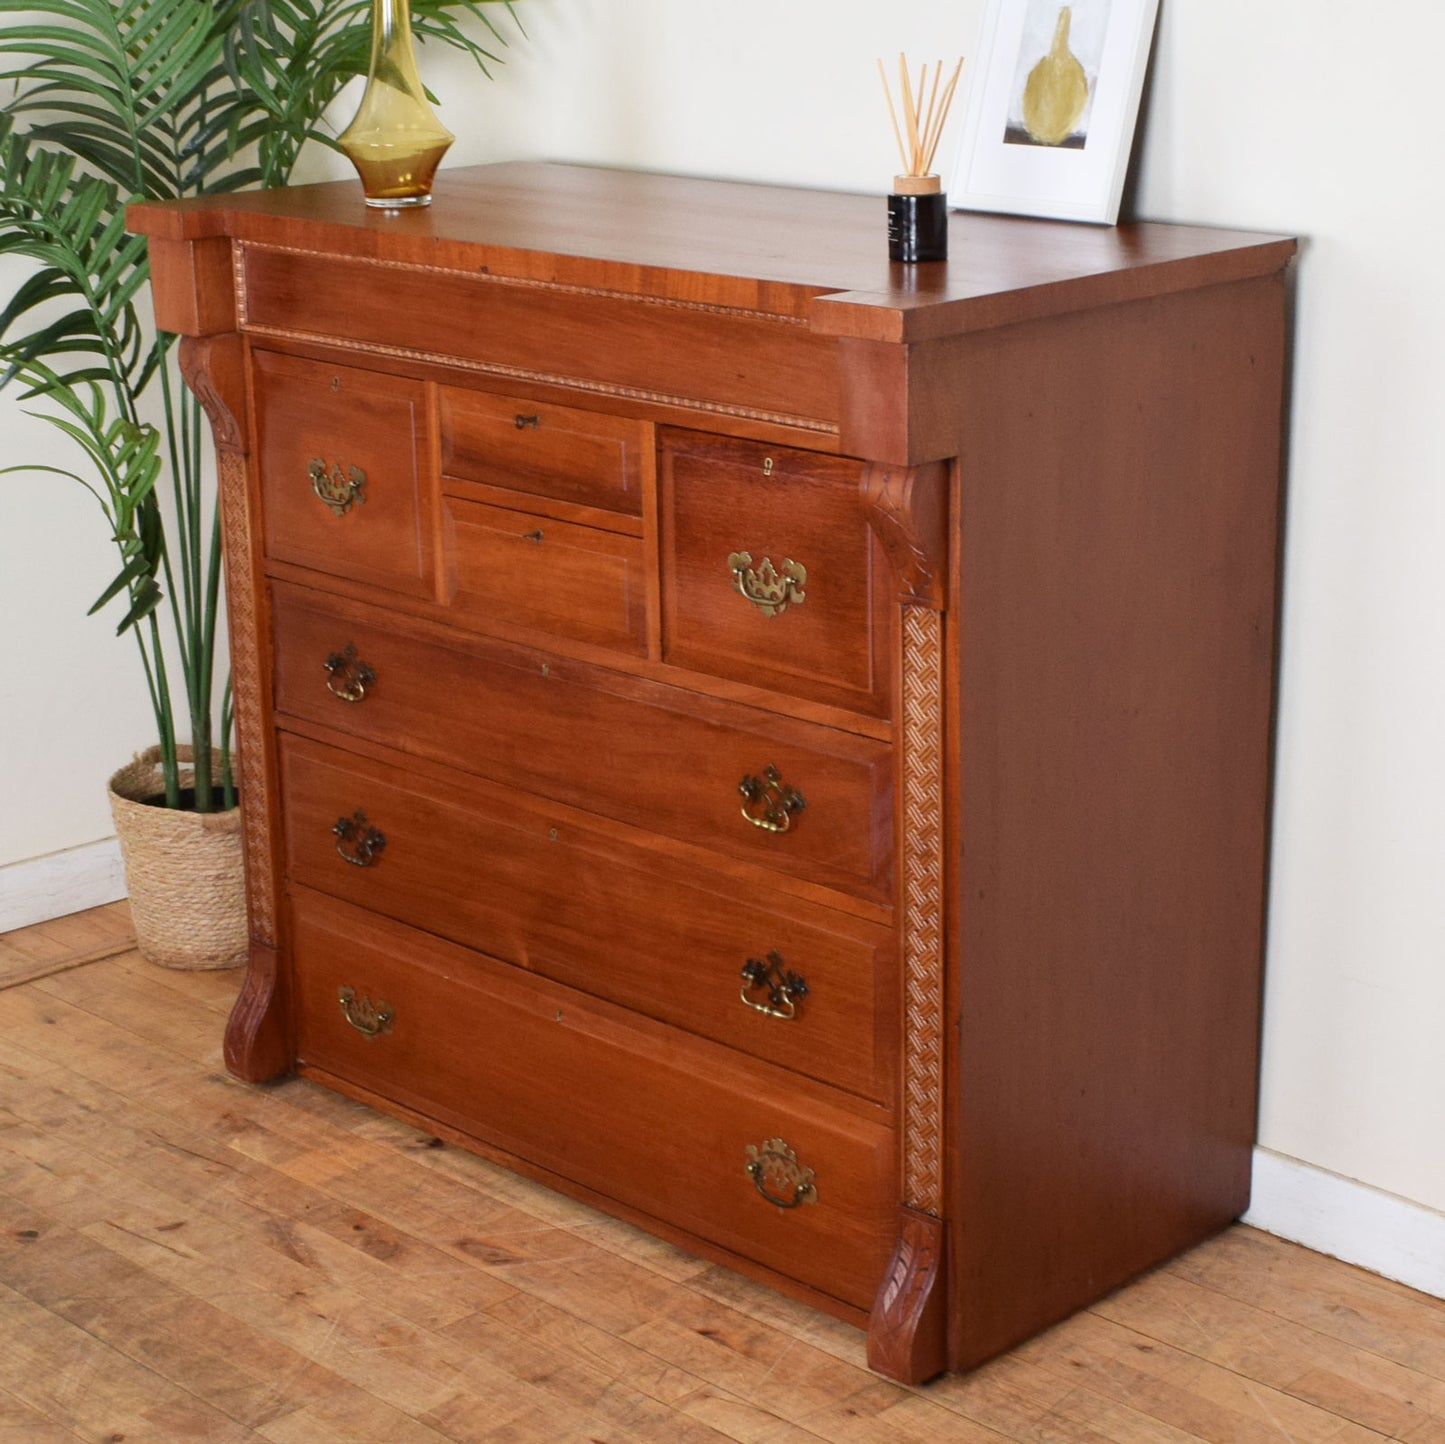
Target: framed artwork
(1051, 110)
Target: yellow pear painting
(1057, 89)
(1058, 63)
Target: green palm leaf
(116, 100)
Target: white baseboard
(41, 888)
(1349, 1220)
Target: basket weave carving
(182, 869)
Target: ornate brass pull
(346, 676)
(767, 587)
(768, 801)
(523, 422)
(773, 1168)
(337, 488)
(784, 989)
(356, 842)
(372, 1019)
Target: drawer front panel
(771, 572)
(340, 460)
(641, 752)
(596, 914)
(554, 451)
(707, 356)
(656, 1120)
(527, 571)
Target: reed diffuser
(917, 206)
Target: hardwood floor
(183, 1257)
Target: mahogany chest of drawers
(773, 743)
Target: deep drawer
(339, 452)
(553, 451)
(637, 1112)
(770, 572)
(638, 751)
(480, 867)
(521, 570)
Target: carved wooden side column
(908, 509)
(193, 295)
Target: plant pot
(182, 869)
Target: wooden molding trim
(921, 845)
(556, 288)
(246, 687)
(545, 378)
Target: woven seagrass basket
(182, 869)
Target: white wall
(1312, 118)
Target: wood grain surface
(1025, 686)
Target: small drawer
(662, 1123)
(770, 571)
(791, 796)
(339, 454)
(522, 570)
(586, 457)
(799, 985)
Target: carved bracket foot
(907, 1328)
(258, 1042)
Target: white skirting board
(1349, 1220)
(41, 888)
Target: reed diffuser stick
(893, 116)
(925, 113)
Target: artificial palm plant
(121, 100)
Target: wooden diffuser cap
(916, 185)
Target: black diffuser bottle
(917, 219)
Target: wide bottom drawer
(735, 1152)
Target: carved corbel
(214, 369)
(907, 506)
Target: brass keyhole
(767, 466)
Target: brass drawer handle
(346, 676)
(774, 1170)
(769, 589)
(356, 842)
(784, 989)
(523, 422)
(372, 1019)
(336, 487)
(769, 802)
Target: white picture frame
(1015, 155)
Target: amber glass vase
(395, 142)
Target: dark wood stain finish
(1027, 700)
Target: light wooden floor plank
(183, 1257)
